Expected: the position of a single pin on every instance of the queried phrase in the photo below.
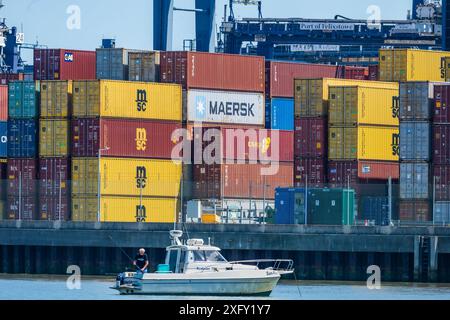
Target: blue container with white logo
(22, 138)
(280, 114)
(3, 139)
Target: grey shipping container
(143, 66)
(442, 212)
(112, 63)
(416, 100)
(415, 144)
(414, 180)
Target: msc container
(213, 71)
(311, 170)
(442, 212)
(280, 114)
(412, 65)
(441, 106)
(310, 138)
(441, 144)
(54, 177)
(144, 66)
(22, 138)
(3, 139)
(4, 103)
(225, 107)
(340, 171)
(54, 208)
(311, 95)
(281, 75)
(63, 64)
(417, 211)
(56, 99)
(414, 180)
(121, 99)
(415, 144)
(54, 138)
(375, 209)
(237, 181)
(123, 138)
(351, 106)
(126, 177)
(441, 180)
(416, 100)
(364, 143)
(22, 208)
(23, 99)
(22, 177)
(112, 63)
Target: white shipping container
(225, 107)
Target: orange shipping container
(3, 103)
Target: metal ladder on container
(425, 249)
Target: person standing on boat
(141, 261)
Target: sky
(130, 22)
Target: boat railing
(279, 265)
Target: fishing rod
(123, 251)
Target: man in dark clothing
(141, 261)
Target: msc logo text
(141, 139)
(141, 100)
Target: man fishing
(141, 261)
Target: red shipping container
(353, 73)
(213, 71)
(373, 72)
(54, 208)
(310, 140)
(441, 144)
(360, 172)
(54, 177)
(3, 103)
(312, 170)
(417, 211)
(280, 76)
(441, 174)
(124, 138)
(190, 126)
(5, 78)
(23, 208)
(244, 144)
(441, 110)
(22, 177)
(237, 181)
(64, 64)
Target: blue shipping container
(22, 138)
(280, 114)
(3, 139)
(286, 202)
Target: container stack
(122, 143)
(23, 102)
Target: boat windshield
(208, 256)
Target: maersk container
(310, 171)
(415, 144)
(4, 103)
(144, 66)
(414, 180)
(441, 144)
(441, 180)
(23, 99)
(22, 177)
(56, 99)
(3, 139)
(54, 138)
(280, 114)
(442, 213)
(22, 138)
(310, 138)
(112, 63)
(374, 209)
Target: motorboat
(196, 268)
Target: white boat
(194, 268)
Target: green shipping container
(331, 206)
(23, 97)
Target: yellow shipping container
(54, 138)
(56, 99)
(364, 143)
(412, 65)
(350, 106)
(126, 177)
(446, 65)
(210, 218)
(84, 208)
(126, 99)
(2, 210)
(311, 95)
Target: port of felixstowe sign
(319, 26)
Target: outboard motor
(120, 279)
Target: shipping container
(126, 177)
(22, 138)
(442, 213)
(56, 99)
(63, 64)
(414, 180)
(415, 144)
(311, 95)
(412, 65)
(124, 138)
(190, 127)
(351, 106)
(441, 180)
(3, 205)
(54, 177)
(6, 78)
(4, 102)
(339, 172)
(364, 143)
(415, 211)
(23, 99)
(280, 114)
(54, 138)
(311, 170)
(22, 208)
(236, 181)
(120, 99)
(84, 208)
(310, 138)
(352, 72)
(373, 73)
(112, 63)
(441, 144)
(214, 71)
(441, 105)
(280, 76)
(3, 139)
(225, 107)
(3, 180)
(374, 209)
(22, 177)
(54, 208)
(210, 218)
(144, 66)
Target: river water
(55, 288)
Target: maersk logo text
(232, 109)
